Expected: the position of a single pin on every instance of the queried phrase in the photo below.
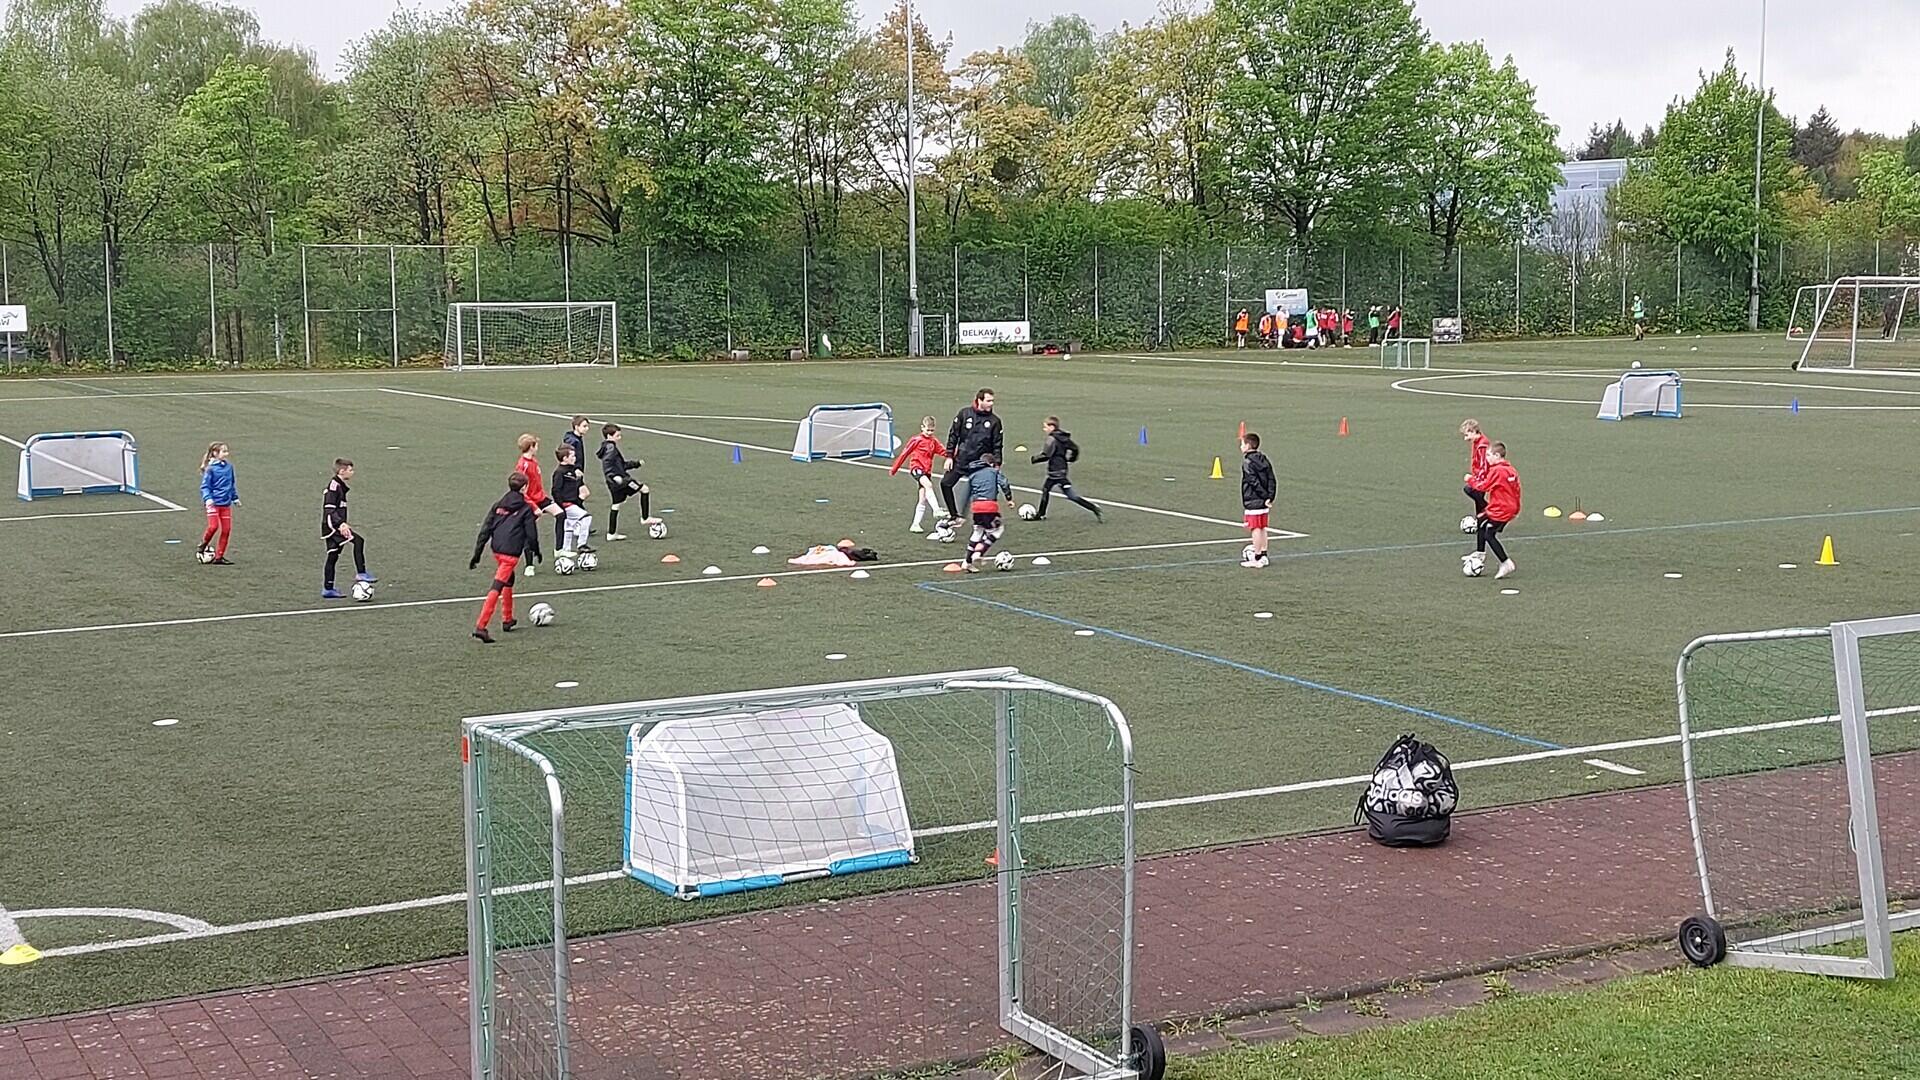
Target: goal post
(510, 335)
(78, 463)
(1801, 754)
(1858, 323)
(936, 780)
(1406, 354)
(845, 431)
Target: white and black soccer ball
(1474, 565)
(589, 561)
(1469, 524)
(1027, 512)
(541, 615)
(203, 555)
(564, 564)
(1411, 802)
(1248, 553)
(1003, 561)
(656, 530)
(363, 591)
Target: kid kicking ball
(541, 615)
(656, 530)
(1003, 561)
(1027, 512)
(363, 591)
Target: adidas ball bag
(1411, 799)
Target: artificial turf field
(314, 767)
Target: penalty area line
(449, 898)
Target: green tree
(1886, 180)
(1698, 186)
(394, 175)
(1911, 148)
(1060, 52)
(1483, 157)
(225, 159)
(999, 142)
(177, 45)
(1319, 103)
(814, 101)
(1816, 148)
(1608, 142)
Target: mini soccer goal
(1642, 393)
(1801, 750)
(845, 431)
(495, 335)
(1858, 324)
(804, 826)
(78, 463)
(1406, 354)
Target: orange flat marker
(669, 558)
(994, 859)
(953, 568)
(766, 583)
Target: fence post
(1828, 276)
(6, 296)
(306, 309)
(1026, 287)
(806, 304)
(1876, 256)
(1459, 287)
(1676, 284)
(1516, 287)
(1343, 282)
(107, 247)
(880, 293)
(956, 292)
(1096, 293)
(727, 265)
(1228, 325)
(393, 297)
(647, 274)
(1400, 285)
(1160, 296)
(1621, 262)
(566, 268)
(1573, 288)
(213, 318)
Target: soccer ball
(1636, 365)
(1474, 565)
(1003, 561)
(203, 555)
(363, 591)
(1247, 554)
(563, 564)
(589, 561)
(1469, 524)
(657, 530)
(1027, 512)
(1410, 801)
(541, 615)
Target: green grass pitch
(314, 767)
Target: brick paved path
(904, 978)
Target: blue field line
(1511, 541)
(1209, 658)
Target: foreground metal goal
(1802, 756)
(699, 824)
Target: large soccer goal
(78, 463)
(495, 335)
(1802, 756)
(890, 875)
(845, 431)
(1858, 324)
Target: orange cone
(954, 568)
(994, 859)
(669, 558)
(766, 583)
(1343, 427)
(1243, 429)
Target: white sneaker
(916, 527)
(1505, 569)
(1469, 556)
(615, 536)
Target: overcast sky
(1591, 60)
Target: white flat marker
(166, 721)
(836, 656)
(1672, 575)
(567, 685)
(1789, 566)
(1263, 614)
(1083, 633)
(1623, 770)
(1509, 592)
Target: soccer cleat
(1098, 516)
(332, 594)
(616, 536)
(368, 578)
(507, 626)
(1506, 568)
(585, 549)
(484, 637)
(221, 560)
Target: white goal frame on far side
(466, 347)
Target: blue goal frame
(129, 482)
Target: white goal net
(1858, 323)
(532, 335)
(78, 463)
(845, 431)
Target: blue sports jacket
(216, 485)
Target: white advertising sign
(13, 319)
(1291, 301)
(996, 333)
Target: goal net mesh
(77, 463)
(1868, 324)
(1769, 789)
(871, 973)
(845, 431)
(531, 335)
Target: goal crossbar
(1842, 298)
(495, 334)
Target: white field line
(107, 390)
(147, 495)
(1407, 385)
(198, 393)
(87, 514)
(1606, 375)
(443, 899)
(522, 594)
(1283, 534)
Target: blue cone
(1796, 406)
(736, 455)
(1143, 436)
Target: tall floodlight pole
(916, 345)
(1759, 135)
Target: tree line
(602, 127)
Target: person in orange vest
(1346, 328)
(1266, 329)
(1240, 329)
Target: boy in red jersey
(1503, 505)
(1475, 480)
(529, 467)
(918, 457)
(513, 531)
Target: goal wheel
(1703, 941)
(1146, 1053)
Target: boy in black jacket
(1257, 489)
(1059, 451)
(336, 534)
(620, 482)
(510, 527)
(570, 494)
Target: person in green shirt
(1639, 318)
(1373, 324)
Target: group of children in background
(1318, 327)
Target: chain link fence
(167, 304)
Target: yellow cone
(1216, 471)
(1826, 553)
(22, 953)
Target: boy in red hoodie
(918, 457)
(1475, 479)
(1503, 505)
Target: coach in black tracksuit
(975, 432)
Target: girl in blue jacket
(218, 493)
